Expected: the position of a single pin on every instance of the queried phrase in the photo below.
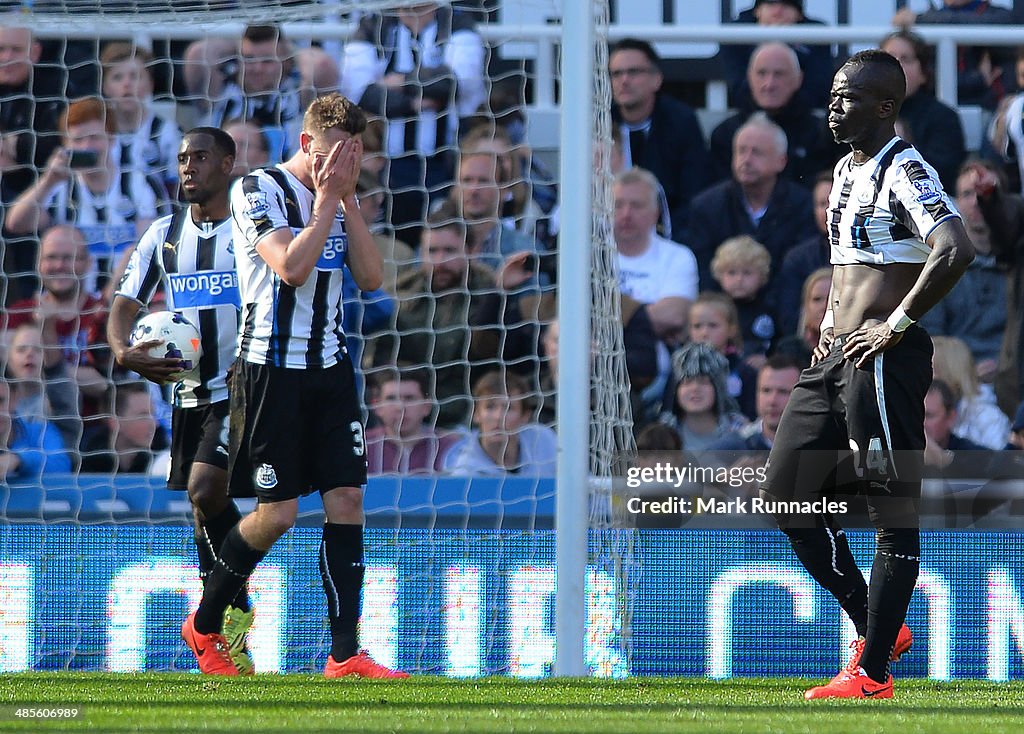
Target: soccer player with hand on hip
(190, 253)
(898, 246)
(296, 417)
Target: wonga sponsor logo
(205, 289)
(333, 256)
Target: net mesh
(149, 15)
(611, 434)
(460, 569)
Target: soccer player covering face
(898, 245)
(295, 415)
(190, 255)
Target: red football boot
(361, 666)
(211, 651)
(855, 684)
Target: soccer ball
(181, 339)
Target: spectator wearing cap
(659, 133)
(816, 62)
(701, 411)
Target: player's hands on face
(335, 175)
(323, 171)
(350, 161)
(871, 339)
(155, 369)
(824, 345)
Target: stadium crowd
(722, 237)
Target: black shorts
(294, 431)
(857, 431)
(198, 435)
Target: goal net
(98, 567)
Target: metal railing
(548, 37)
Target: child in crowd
(713, 320)
(41, 391)
(504, 442)
(29, 447)
(742, 266)
(703, 413)
(404, 441)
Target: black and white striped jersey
(152, 149)
(277, 112)
(883, 210)
(195, 263)
(108, 220)
(282, 325)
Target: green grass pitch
(295, 704)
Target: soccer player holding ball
(898, 246)
(296, 417)
(190, 254)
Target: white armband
(899, 321)
(829, 321)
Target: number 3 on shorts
(358, 443)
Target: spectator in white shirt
(657, 272)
